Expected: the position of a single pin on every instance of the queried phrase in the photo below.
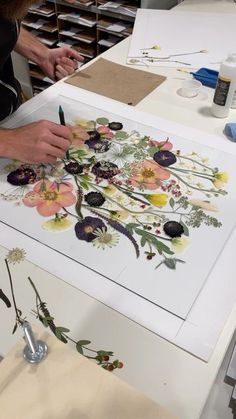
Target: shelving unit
(89, 26)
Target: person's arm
(56, 63)
(38, 142)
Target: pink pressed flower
(79, 134)
(147, 175)
(105, 132)
(49, 197)
(163, 145)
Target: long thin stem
(19, 320)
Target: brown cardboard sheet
(116, 81)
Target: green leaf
(152, 150)
(102, 353)
(172, 202)
(186, 230)
(14, 328)
(62, 329)
(170, 263)
(143, 241)
(102, 121)
(121, 135)
(84, 185)
(79, 348)
(83, 342)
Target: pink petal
(66, 199)
(48, 208)
(32, 199)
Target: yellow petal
(158, 200)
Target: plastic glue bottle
(225, 88)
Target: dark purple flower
(22, 176)
(94, 199)
(115, 126)
(98, 145)
(164, 158)
(94, 135)
(74, 168)
(105, 169)
(173, 229)
(84, 230)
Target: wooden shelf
(85, 26)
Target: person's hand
(38, 142)
(60, 62)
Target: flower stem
(18, 319)
(196, 162)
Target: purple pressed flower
(22, 176)
(74, 168)
(84, 230)
(115, 126)
(173, 229)
(94, 135)
(98, 145)
(105, 169)
(94, 199)
(164, 158)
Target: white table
(162, 371)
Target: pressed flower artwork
(145, 209)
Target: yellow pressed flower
(220, 179)
(120, 215)
(85, 123)
(110, 189)
(57, 224)
(157, 47)
(179, 244)
(158, 200)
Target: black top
(10, 97)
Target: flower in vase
(147, 175)
(158, 200)
(85, 229)
(220, 178)
(179, 244)
(105, 238)
(50, 197)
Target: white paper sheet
(172, 39)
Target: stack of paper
(119, 7)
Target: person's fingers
(49, 160)
(65, 61)
(59, 130)
(54, 152)
(65, 70)
(59, 142)
(72, 53)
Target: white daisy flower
(105, 238)
(117, 154)
(16, 255)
